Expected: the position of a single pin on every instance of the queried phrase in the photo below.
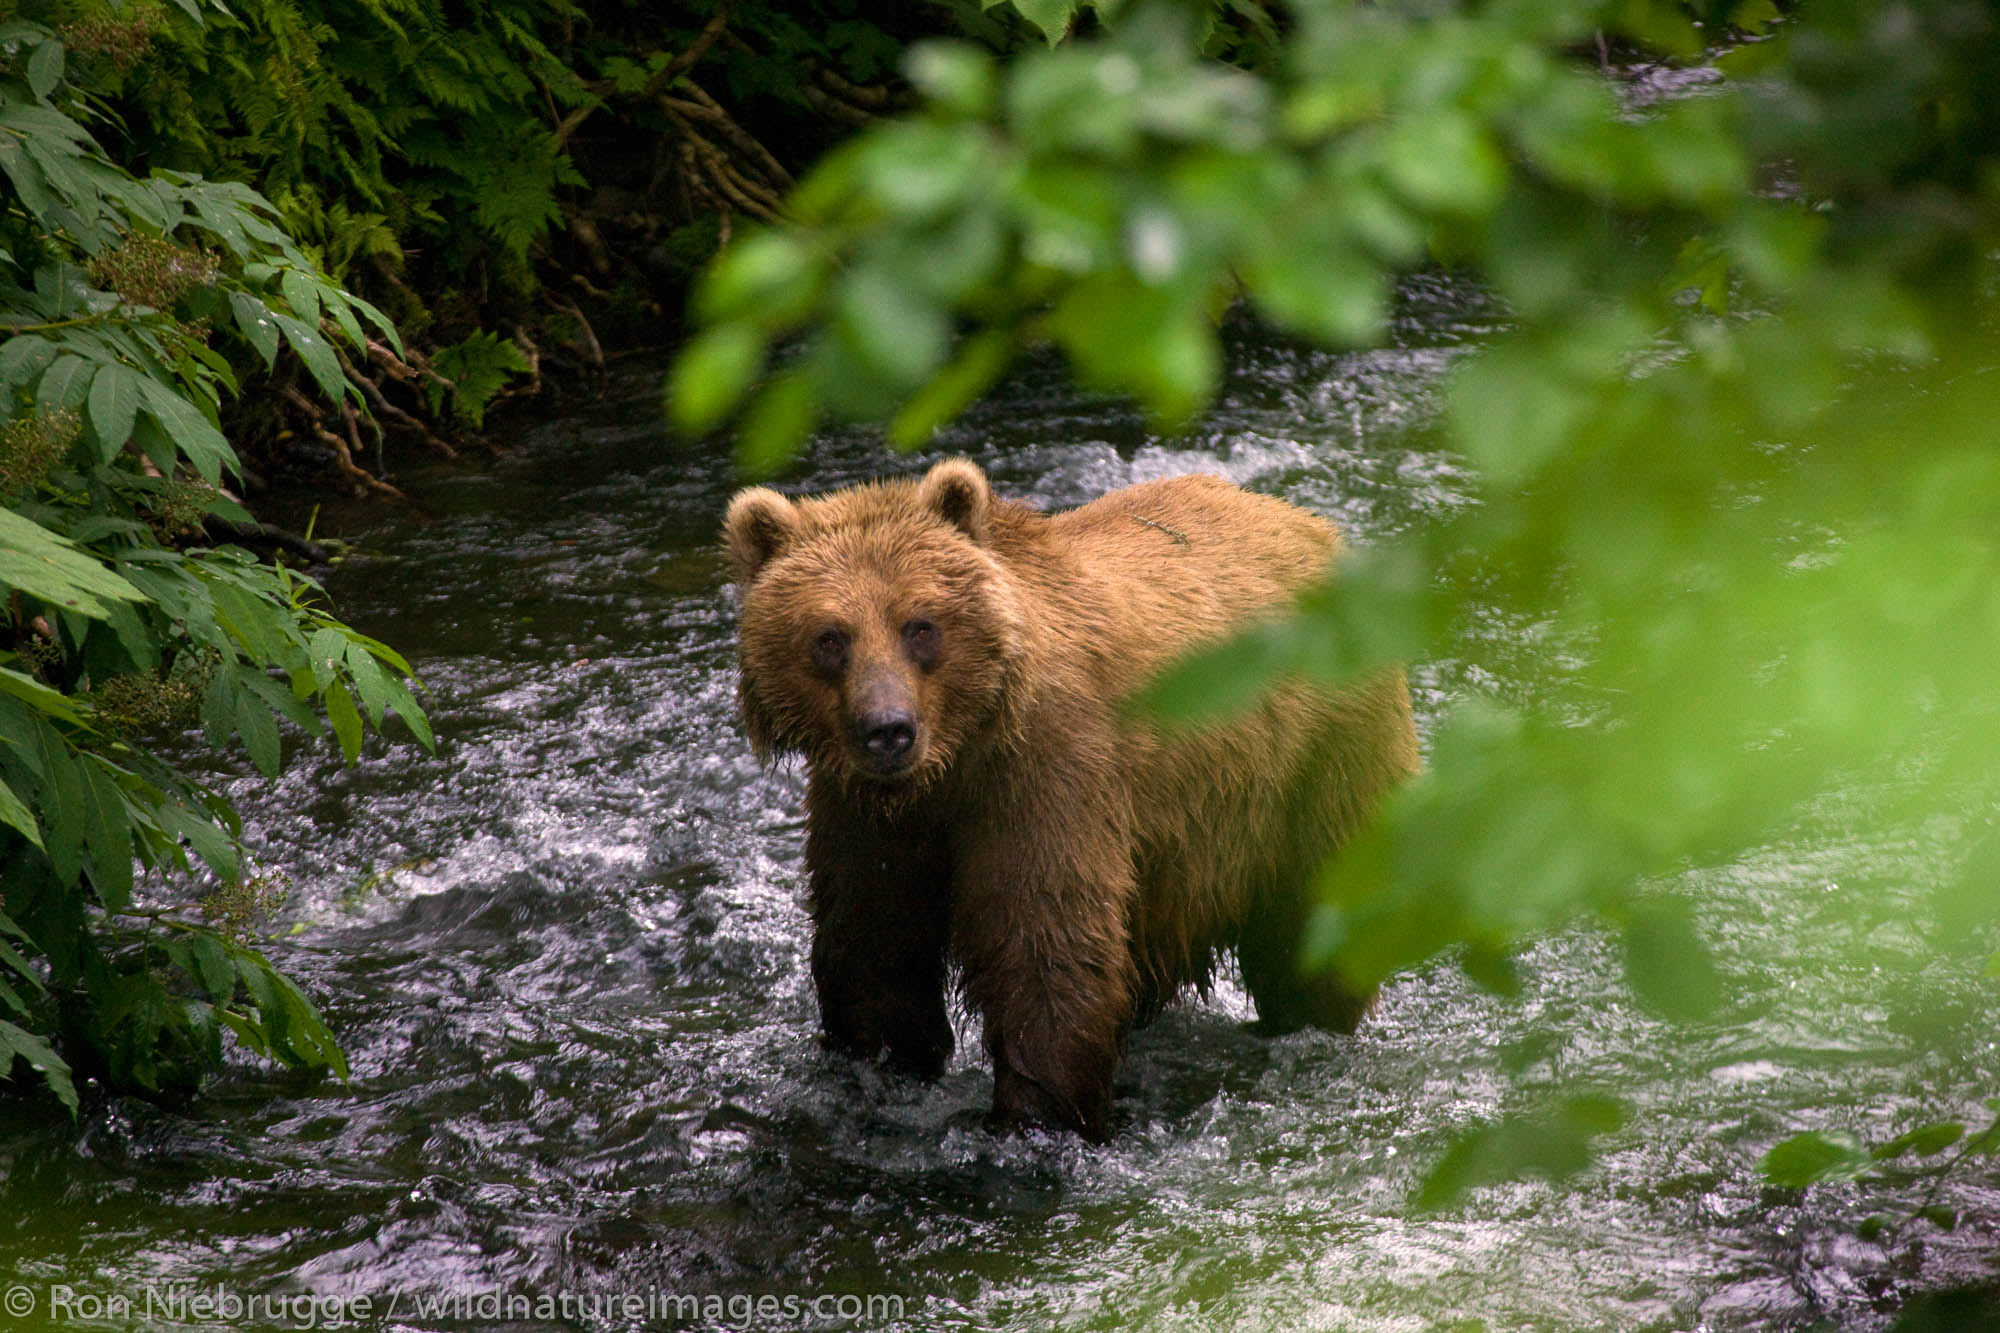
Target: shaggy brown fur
(951, 666)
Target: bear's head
(880, 635)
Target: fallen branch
(265, 536)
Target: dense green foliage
(494, 162)
(129, 306)
(505, 178)
(1735, 446)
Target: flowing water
(567, 958)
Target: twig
(1180, 538)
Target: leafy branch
(123, 619)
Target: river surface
(566, 956)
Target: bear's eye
(829, 651)
(921, 639)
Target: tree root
(593, 349)
(717, 24)
(384, 410)
(698, 105)
(343, 448)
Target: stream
(566, 956)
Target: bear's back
(1146, 572)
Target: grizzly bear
(954, 668)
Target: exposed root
(717, 24)
(698, 105)
(384, 410)
(877, 99)
(343, 449)
(593, 349)
(834, 108)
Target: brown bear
(954, 667)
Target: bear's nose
(888, 735)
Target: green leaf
(45, 68)
(114, 406)
(369, 682)
(23, 358)
(37, 562)
(248, 1031)
(17, 816)
(980, 362)
(1814, 1157)
(211, 843)
(259, 731)
(767, 277)
(1444, 162)
(40, 697)
(65, 384)
(1218, 681)
(192, 433)
(326, 650)
(61, 806)
(711, 375)
(478, 368)
(1051, 18)
(212, 966)
(108, 832)
(317, 353)
(254, 322)
(1924, 1141)
(301, 294)
(890, 328)
(1326, 291)
(1939, 1216)
(1554, 1143)
(1670, 969)
(54, 1070)
(410, 711)
(13, 959)
(346, 721)
(957, 75)
(379, 320)
(776, 425)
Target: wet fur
(1078, 870)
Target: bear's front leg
(1041, 900)
(881, 909)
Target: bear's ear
(760, 524)
(957, 491)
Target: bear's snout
(883, 724)
(889, 737)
